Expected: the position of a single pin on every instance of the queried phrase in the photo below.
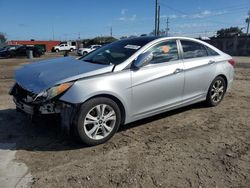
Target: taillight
(232, 62)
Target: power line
(223, 11)
(228, 8)
(174, 9)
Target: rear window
(211, 52)
(193, 49)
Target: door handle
(178, 70)
(211, 62)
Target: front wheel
(84, 53)
(97, 121)
(216, 91)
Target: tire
(92, 127)
(9, 56)
(216, 91)
(84, 53)
(71, 49)
(57, 50)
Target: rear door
(199, 69)
(158, 85)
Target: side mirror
(142, 60)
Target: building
(45, 44)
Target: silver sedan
(123, 82)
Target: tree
(103, 40)
(2, 38)
(98, 40)
(229, 32)
(162, 32)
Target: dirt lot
(190, 147)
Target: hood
(3, 50)
(39, 76)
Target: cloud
(128, 18)
(192, 25)
(125, 17)
(123, 11)
(202, 14)
(23, 25)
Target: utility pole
(111, 31)
(156, 15)
(53, 32)
(79, 36)
(248, 22)
(167, 29)
(158, 21)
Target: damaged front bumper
(25, 102)
(29, 102)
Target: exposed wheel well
(224, 77)
(117, 101)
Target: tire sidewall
(84, 109)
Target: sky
(71, 19)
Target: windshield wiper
(91, 61)
(96, 62)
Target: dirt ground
(194, 146)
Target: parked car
(6, 50)
(122, 82)
(19, 51)
(63, 47)
(84, 51)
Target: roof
(144, 39)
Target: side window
(193, 49)
(211, 52)
(164, 52)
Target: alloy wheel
(99, 121)
(217, 91)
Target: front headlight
(55, 91)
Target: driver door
(158, 85)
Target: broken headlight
(55, 91)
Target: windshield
(8, 48)
(114, 53)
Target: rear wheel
(216, 91)
(97, 121)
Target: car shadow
(46, 135)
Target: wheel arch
(117, 101)
(224, 77)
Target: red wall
(48, 44)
